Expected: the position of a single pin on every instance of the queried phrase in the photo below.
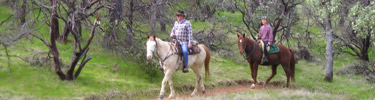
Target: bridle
(244, 47)
(161, 61)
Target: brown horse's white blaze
(172, 63)
(285, 57)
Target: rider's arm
(190, 32)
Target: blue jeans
(265, 47)
(185, 53)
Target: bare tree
(74, 15)
(276, 11)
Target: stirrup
(265, 60)
(185, 69)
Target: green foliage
(364, 23)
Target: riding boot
(265, 59)
(186, 69)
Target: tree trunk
(366, 46)
(162, 17)
(54, 32)
(66, 32)
(115, 18)
(23, 12)
(153, 16)
(329, 49)
(163, 27)
(130, 16)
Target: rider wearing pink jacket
(265, 34)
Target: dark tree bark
(130, 16)
(54, 32)
(161, 16)
(115, 18)
(154, 8)
(23, 12)
(73, 25)
(206, 9)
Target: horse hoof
(192, 95)
(161, 96)
(252, 86)
(204, 91)
(171, 96)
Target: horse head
(151, 46)
(241, 42)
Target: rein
(161, 61)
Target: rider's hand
(172, 36)
(189, 46)
(269, 43)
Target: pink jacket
(265, 33)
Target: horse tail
(207, 62)
(292, 64)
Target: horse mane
(159, 40)
(249, 42)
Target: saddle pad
(194, 50)
(271, 49)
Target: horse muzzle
(241, 52)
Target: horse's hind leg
(201, 82)
(167, 76)
(198, 81)
(274, 67)
(288, 73)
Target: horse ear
(238, 35)
(153, 37)
(243, 35)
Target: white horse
(170, 61)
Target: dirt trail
(224, 90)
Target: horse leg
(171, 88)
(288, 74)
(274, 67)
(201, 82)
(198, 79)
(254, 74)
(167, 75)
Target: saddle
(271, 49)
(194, 50)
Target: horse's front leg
(254, 72)
(167, 75)
(171, 88)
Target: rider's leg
(265, 58)
(185, 53)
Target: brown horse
(285, 57)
